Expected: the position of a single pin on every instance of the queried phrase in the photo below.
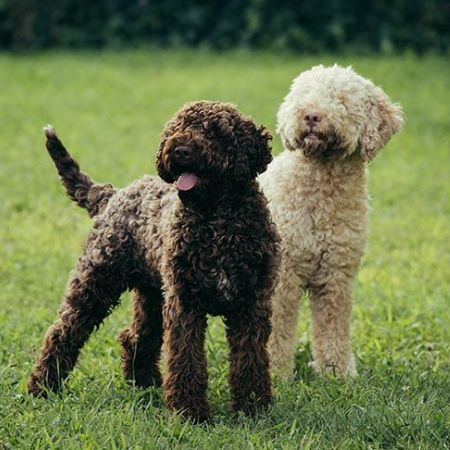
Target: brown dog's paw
(136, 367)
(36, 388)
(198, 417)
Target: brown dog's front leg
(186, 381)
(249, 378)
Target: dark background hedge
(307, 26)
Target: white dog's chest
(323, 234)
(321, 212)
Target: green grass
(109, 108)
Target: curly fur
(186, 254)
(317, 193)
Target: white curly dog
(332, 122)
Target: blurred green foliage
(332, 25)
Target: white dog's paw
(338, 370)
(283, 373)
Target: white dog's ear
(384, 119)
(285, 112)
(286, 142)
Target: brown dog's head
(332, 112)
(208, 146)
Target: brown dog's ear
(260, 155)
(161, 166)
(384, 119)
(252, 150)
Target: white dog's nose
(312, 118)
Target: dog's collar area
(210, 197)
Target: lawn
(109, 109)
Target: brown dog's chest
(217, 264)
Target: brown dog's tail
(80, 188)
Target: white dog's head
(331, 112)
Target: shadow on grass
(302, 370)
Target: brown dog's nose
(182, 154)
(312, 118)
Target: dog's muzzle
(183, 159)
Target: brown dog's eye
(223, 128)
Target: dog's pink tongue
(186, 181)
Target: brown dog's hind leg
(249, 377)
(141, 342)
(92, 292)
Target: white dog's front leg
(331, 305)
(285, 305)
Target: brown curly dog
(204, 246)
